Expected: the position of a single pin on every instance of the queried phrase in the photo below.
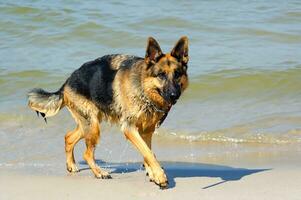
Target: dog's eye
(177, 74)
(161, 75)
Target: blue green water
(245, 67)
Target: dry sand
(191, 182)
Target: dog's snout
(174, 96)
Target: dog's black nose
(174, 97)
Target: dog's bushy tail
(46, 103)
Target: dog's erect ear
(180, 51)
(153, 51)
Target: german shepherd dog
(133, 92)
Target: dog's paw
(160, 178)
(163, 186)
(101, 174)
(72, 168)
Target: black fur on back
(94, 79)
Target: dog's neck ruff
(150, 106)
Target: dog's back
(94, 79)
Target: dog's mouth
(174, 102)
(166, 98)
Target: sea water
(244, 98)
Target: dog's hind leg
(71, 138)
(87, 117)
(92, 133)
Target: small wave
(273, 130)
(246, 83)
(273, 35)
(219, 137)
(25, 74)
(165, 22)
(20, 10)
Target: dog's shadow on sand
(184, 170)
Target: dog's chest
(149, 120)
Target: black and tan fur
(135, 93)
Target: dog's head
(166, 74)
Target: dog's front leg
(159, 176)
(147, 137)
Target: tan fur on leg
(71, 139)
(159, 176)
(91, 136)
(147, 137)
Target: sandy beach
(191, 181)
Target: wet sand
(187, 180)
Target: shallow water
(245, 69)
